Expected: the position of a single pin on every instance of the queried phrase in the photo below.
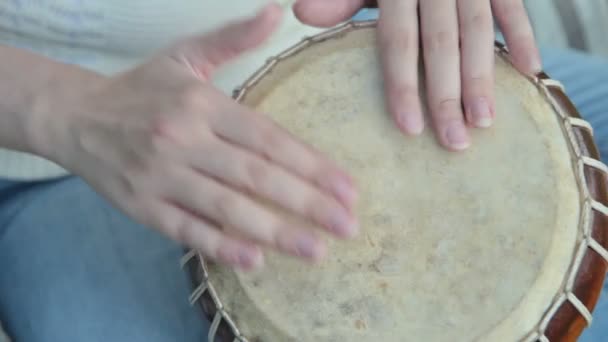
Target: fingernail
(306, 246)
(342, 224)
(248, 258)
(481, 114)
(456, 135)
(344, 190)
(411, 123)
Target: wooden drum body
(503, 242)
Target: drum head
(470, 246)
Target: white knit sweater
(109, 36)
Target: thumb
(325, 13)
(206, 53)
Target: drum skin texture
(505, 242)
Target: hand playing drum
(454, 40)
(503, 242)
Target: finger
(398, 38)
(238, 215)
(205, 53)
(477, 52)
(323, 13)
(248, 172)
(195, 232)
(513, 20)
(439, 23)
(258, 134)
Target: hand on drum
(178, 155)
(457, 49)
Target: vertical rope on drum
(589, 204)
(580, 307)
(215, 324)
(197, 293)
(601, 208)
(187, 258)
(588, 242)
(576, 122)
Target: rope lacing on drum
(206, 287)
(590, 205)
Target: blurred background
(578, 24)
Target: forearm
(29, 84)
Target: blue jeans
(74, 269)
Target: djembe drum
(503, 242)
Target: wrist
(54, 107)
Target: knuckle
(441, 40)
(184, 130)
(190, 97)
(478, 22)
(274, 235)
(256, 175)
(448, 108)
(318, 208)
(131, 180)
(400, 40)
(139, 170)
(184, 229)
(267, 228)
(477, 85)
(225, 206)
(157, 142)
(509, 8)
(480, 80)
(404, 91)
(270, 138)
(147, 162)
(161, 128)
(170, 223)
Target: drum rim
(570, 312)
